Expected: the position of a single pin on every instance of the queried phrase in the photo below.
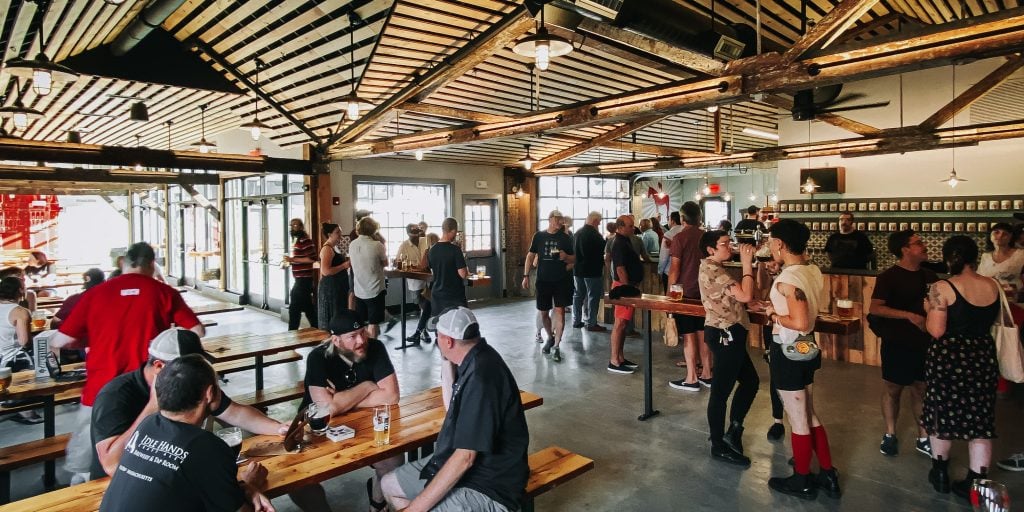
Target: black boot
(962, 488)
(725, 453)
(939, 475)
(734, 437)
(828, 481)
(801, 486)
(414, 339)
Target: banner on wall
(658, 196)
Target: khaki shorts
(459, 499)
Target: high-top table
(415, 422)
(825, 324)
(243, 346)
(424, 275)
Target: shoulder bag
(803, 348)
(1007, 338)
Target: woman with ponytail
(961, 367)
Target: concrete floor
(658, 465)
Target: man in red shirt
(302, 259)
(116, 320)
(683, 270)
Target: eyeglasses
(724, 243)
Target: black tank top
(966, 319)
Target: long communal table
(416, 422)
(232, 347)
(827, 324)
(423, 275)
(210, 308)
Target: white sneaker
(79, 478)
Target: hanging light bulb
(707, 188)
(527, 161)
(20, 120)
(351, 103)
(256, 127)
(698, 196)
(419, 154)
(542, 59)
(712, 108)
(20, 114)
(138, 167)
(809, 186)
(752, 196)
(43, 72)
(952, 180)
(352, 108)
(542, 46)
(204, 145)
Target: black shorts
(687, 324)
(372, 309)
(558, 292)
(789, 375)
(901, 364)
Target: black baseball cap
(345, 322)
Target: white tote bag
(1007, 337)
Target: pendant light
(953, 180)
(527, 161)
(19, 113)
(707, 186)
(542, 46)
(204, 145)
(43, 72)
(351, 103)
(809, 186)
(256, 127)
(419, 154)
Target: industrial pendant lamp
(527, 161)
(953, 180)
(351, 103)
(43, 72)
(204, 145)
(809, 186)
(542, 46)
(19, 113)
(256, 127)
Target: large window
(576, 197)
(395, 205)
(195, 234)
(715, 211)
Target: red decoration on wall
(29, 221)
(715, 188)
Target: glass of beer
(38, 319)
(5, 379)
(675, 292)
(481, 270)
(319, 415)
(844, 308)
(232, 436)
(382, 425)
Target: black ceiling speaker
(74, 137)
(139, 112)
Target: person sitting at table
(28, 300)
(129, 399)
(15, 329)
(479, 462)
(90, 278)
(170, 463)
(352, 370)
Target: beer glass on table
(232, 436)
(844, 308)
(6, 376)
(989, 496)
(319, 415)
(38, 319)
(675, 292)
(382, 425)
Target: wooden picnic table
(415, 422)
(26, 385)
(210, 308)
(233, 347)
(828, 324)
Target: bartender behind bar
(849, 248)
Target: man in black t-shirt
(626, 270)
(446, 261)
(897, 305)
(479, 462)
(170, 463)
(750, 222)
(849, 248)
(552, 250)
(128, 399)
(351, 370)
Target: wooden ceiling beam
(453, 113)
(608, 136)
(496, 37)
(52, 174)
(973, 93)
(833, 119)
(829, 28)
(694, 61)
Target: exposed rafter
(608, 136)
(829, 28)
(51, 174)
(973, 93)
(689, 59)
(453, 113)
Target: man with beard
(351, 370)
(302, 259)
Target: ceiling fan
(809, 103)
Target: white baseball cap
(458, 323)
(174, 343)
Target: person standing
(116, 320)
(849, 248)
(91, 278)
(684, 270)
(300, 300)
(749, 223)
(410, 251)
(552, 250)
(448, 265)
(793, 312)
(664, 257)
(332, 292)
(650, 239)
(961, 368)
(726, 327)
(369, 257)
(588, 246)
(171, 463)
(628, 270)
(898, 301)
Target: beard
(353, 356)
(297, 233)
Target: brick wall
(518, 231)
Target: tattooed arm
(935, 305)
(798, 318)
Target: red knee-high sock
(801, 453)
(821, 447)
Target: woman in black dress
(961, 366)
(332, 292)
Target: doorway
(481, 237)
(265, 224)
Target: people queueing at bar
(410, 254)
(588, 274)
(626, 270)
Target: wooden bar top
(415, 421)
(422, 275)
(827, 324)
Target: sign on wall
(659, 196)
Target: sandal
(377, 506)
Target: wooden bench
(264, 398)
(551, 467)
(241, 365)
(26, 454)
(63, 398)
